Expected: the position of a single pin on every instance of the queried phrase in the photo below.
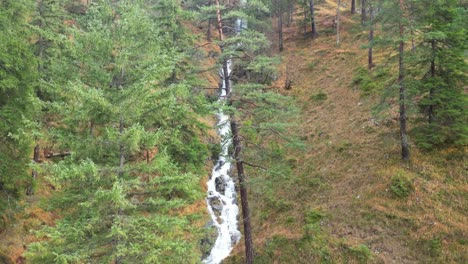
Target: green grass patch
(401, 185)
(319, 96)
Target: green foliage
(365, 81)
(362, 253)
(313, 216)
(132, 128)
(17, 100)
(319, 96)
(434, 247)
(440, 67)
(401, 185)
(434, 68)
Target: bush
(320, 96)
(362, 253)
(434, 247)
(365, 82)
(401, 185)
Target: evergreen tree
(18, 73)
(49, 24)
(120, 189)
(438, 62)
(393, 15)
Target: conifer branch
(254, 166)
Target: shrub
(362, 253)
(401, 185)
(320, 96)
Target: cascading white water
(221, 200)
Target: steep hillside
(351, 198)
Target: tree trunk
(30, 190)
(290, 13)
(305, 23)
(338, 23)
(363, 11)
(280, 32)
(121, 148)
(312, 18)
(401, 78)
(220, 24)
(431, 90)
(371, 39)
(208, 31)
(353, 6)
(249, 250)
(370, 63)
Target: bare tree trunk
(370, 63)
(431, 91)
(305, 22)
(91, 128)
(290, 13)
(280, 32)
(411, 21)
(208, 31)
(338, 23)
(371, 39)
(353, 6)
(363, 11)
(401, 78)
(30, 190)
(121, 149)
(220, 24)
(312, 18)
(221, 38)
(249, 250)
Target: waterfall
(221, 200)
(222, 197)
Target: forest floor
(344, 180)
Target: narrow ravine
(222, 197)
(221, 200)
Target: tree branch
(253, 165)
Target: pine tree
(18, 74)
(118, 205)
(440, 67)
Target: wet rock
(217, 208)
(235, 238)
(220, 185)
(219, 164)
(216, 205)
(209, 224)
(208, 240)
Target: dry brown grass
(357, 158)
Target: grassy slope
(340, 207)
